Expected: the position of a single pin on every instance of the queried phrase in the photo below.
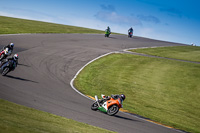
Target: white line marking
(71, 83)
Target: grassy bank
(14, 26)
(166, 91)
(189, 53)
(19, 119)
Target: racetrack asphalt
(47, 64)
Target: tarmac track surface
(48, 62)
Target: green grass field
(189, 53)
(165, 91)
(15, 26)
(19, 119)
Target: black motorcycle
(130, 34)
(7, 66)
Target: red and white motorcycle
(4, 53)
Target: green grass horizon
(9, 25)
(187, 53)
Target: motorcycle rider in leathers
(130, 30)
(108, 29)
(122, 97)
(9, 48)
(14, 58)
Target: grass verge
(19, 119)
(10, 25)
(189, 53)
(166, 91)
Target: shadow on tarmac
(112, 37)
(125, 118)
(18, 78)
(23, 65)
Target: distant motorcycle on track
(107, 33)
(130, 34)
(109, 105)
(4, 53)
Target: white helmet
(15, 56)
(11, 45)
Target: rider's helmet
(15, 57)
(11, 45)
(123, 97)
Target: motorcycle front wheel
(94, 106)
(113, 110)
(5, 71)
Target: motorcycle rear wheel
(113, 110)
(94, 106)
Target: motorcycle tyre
(111, 112)
(5, 71)
(130, 36)
(94, 106)
(107, 35)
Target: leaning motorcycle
(107, 33)
(7, 66)
(107, 105)
(4, 53)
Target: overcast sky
(169, 20)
